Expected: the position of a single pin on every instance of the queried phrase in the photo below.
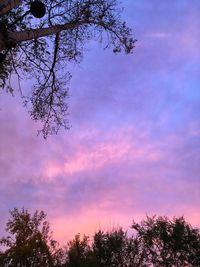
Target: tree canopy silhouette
(168, 242)
(29, 242)
(41, 48)
(156, 241)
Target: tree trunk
(7, 5)
(18, 37)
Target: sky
(134, 145)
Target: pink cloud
(115, 149)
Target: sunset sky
(134, 145)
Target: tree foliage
(29, 242)
(168, 242)
(156, 241)
(42, 49)
(115, 248)
(79, 253)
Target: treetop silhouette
(156, 241)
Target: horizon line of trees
(155, 241)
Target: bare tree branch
(7, 5)
(41, 49)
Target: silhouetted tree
(115, 248)
(29, 243)
(42, 48)
(156, 241)
(168, 242)
(107, 249)
(79, 253)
